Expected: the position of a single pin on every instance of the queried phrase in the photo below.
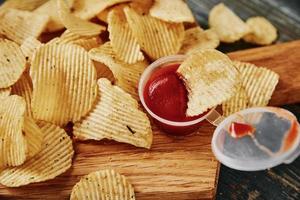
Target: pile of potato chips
(79, 62)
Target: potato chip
(115, 116)
(104, 184)
(258, 82)
(21, 5)
(103, 71)
(64, 80)
(126, 76)
(172, 11)
(13, 145)
(5, 92)
(196, 38)
(102, 16)
(18, 25)
(228, 26)
(157, 38)
(122, 39)
(210, 78)
(54, 159)
(142, 7)
(12, 63)
(29, 46)
(262, 31)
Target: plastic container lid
(276, 139)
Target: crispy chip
(228, 26)
(126, 76)
(141, 6)
(5, 92)
(103, 14)
(12, 63)
(115, 116)
(18, 25)
(122, 39)
(101, 185)
(258, 82)
(262, 31)
(21, 5)
(54, 159)
(172, 11)
(210, 78)
(196, 38)
(64, 80)
(103, 71)
(13, 144)
(29, 46)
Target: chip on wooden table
(103, 185)
(172, 11)
(210, 78)
(115, 116)
(29, 46)
(156, 37)
(13, 145)
(18, 25)
(196, 38)
(261, 31)
(66, 82)
(54, 159)
(5, 92)
(227, 24)
(12, 63)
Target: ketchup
(238, 130)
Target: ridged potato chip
(103, 185)
(102, 16)
(196, 38)
(122, 40)
(261, 31)
(210, 78)
(5, 92)
(228, 26)
(29, 46)
(54, 159)
(103, 71)
(66, 82)
(18, 25)
(141, 6)
(258, 82)
(22, 5)
(12, 63)
(172, 11)
(157, 38)
(115, 116)
(13, 145)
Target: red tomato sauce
(238, 130)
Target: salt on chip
(228, 26)
(122, 39)
(104, 184)
(54, 159)
(64, 80)
(12, 63)
(262, 31)
(13, 145)
(29, 46)
(115, 116)
(18, 25)
(5, 92)
(210, 78)
(196, 38)
(172, 11)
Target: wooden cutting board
(174, 168)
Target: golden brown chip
(54, 159)
(261, 31)
(228, 26)
(122, 40)
(196, 38)
(115, 116)
(172, 11)
(5, 92)
(101, 185)
(18, 25)
(29, 46)
(21, 4)
(210, 78)
(12, 63)
(13, 145)
(64, 80)
(103, 14)
(141, 6)
(157, 38)
(103, 71)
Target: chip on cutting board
(12, 63)
(29, 46)
(210, 78)
(261, 31)
(5, 92)
(66, 82)
(122, 40)
(115, 116)
(228, 26)
(103, 185)
(156, 37)
(172, 11)
(54, 159)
